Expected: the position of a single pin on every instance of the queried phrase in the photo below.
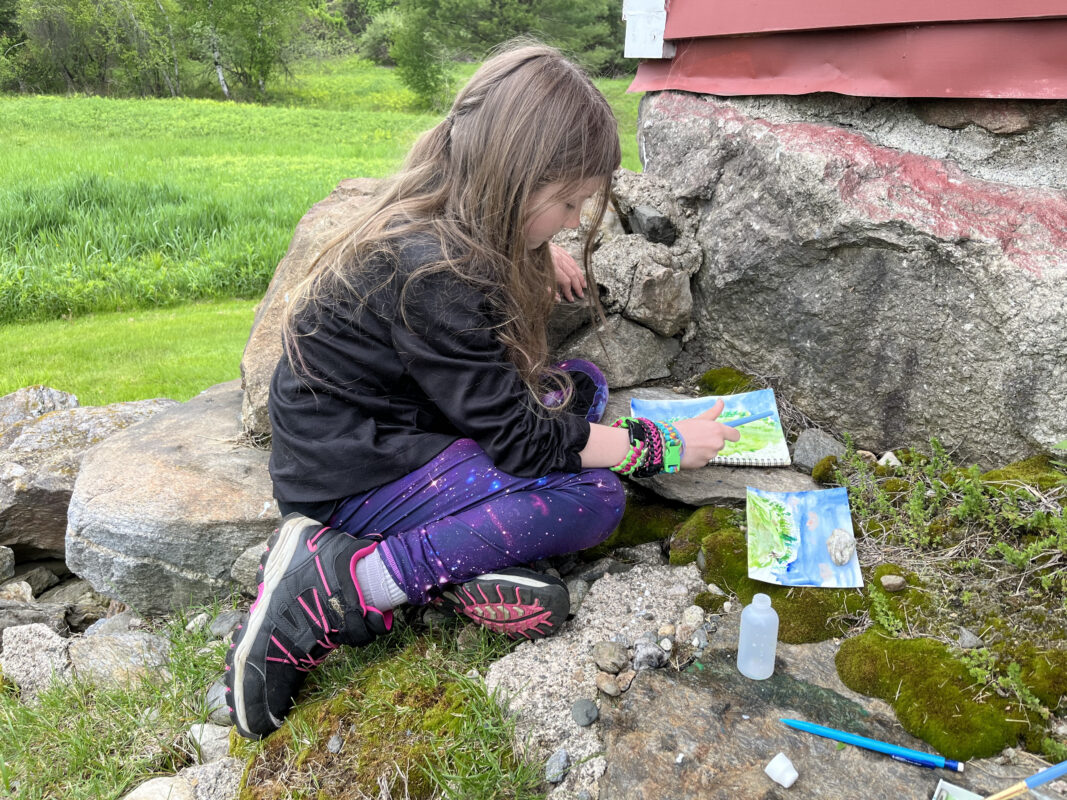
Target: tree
(244, 41)
(103, 46)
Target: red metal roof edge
(1021, 59)
(692, 18)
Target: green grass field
(130, 205)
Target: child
(415, 413)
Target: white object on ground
(781, 770)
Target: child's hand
(569, 278)
(704, 437)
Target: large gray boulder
(264, 346)
(161, 511)
(39, 461)
(901, 280)
(31, 402)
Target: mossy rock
(724, 380)
(805, 614)
(686, 541)
(825, 470)
(931, 692)
(1037, 471)
(397, 711)
(643, 521)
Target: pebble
(727, 607)
(577, 589)
(969, 640)
(334, 744)
(693, 616)
(700, 639)
(198, 622)
(648, 656)
(610, 656)
(585, 712)
(607, 684)
(715, 590)
(665, 630)
(226, 622)
(894, 583)
(889, 459)
(666, 644)
(557, 765)
(624, 679)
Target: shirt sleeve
(449, 347)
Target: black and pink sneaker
(520, 603)
(308, 604)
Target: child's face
(554, 207)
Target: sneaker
(308, 603)
(518, 602)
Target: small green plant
(882, 612)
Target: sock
(378, 587)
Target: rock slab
(161, 511)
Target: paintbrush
(1044, 776)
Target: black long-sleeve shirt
(382, 395)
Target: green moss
(402, 710)
(686, 541)
(643, 521)
(711, 603)
(931, 692)
(823, 472)
(1036, 471)
(724, 380)
(1045, 674)
(804, 614)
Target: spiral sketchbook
(762, 442)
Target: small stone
(666, 644)
(334, 744)
(16, 592)
(678, 759)
(715, 590)
(584, 712)
(665, 630)
(40, 579)
(557, 765)
(624, 679)
(649, 656)
(867, 457)
(212, 741)
(577, 589)
(969, 640)
(889, 459)
(198, 622)
(606, 683)
(226, 623)
(693, 616)
(473, 674)
(702, 560)
(7, 563)
(841, 545)
(727, 607)
(894, 583)
(217, 704)
(700, 639)
(170, 788)
(610, 656)
(710, 626)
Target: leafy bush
(377, 38)
(419, 60)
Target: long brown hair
(527, 118)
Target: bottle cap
(781, 770)
(761, 600)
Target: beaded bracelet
(673, 447)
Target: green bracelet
(673, 445)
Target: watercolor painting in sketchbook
(788, 534)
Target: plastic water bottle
(758, 639)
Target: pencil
(734, 423)
(1044, 776)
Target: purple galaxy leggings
(458, 516)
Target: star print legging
(458, 516)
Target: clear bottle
(758, 639)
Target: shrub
(419, 61)
(377, 38)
